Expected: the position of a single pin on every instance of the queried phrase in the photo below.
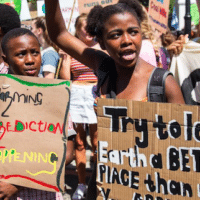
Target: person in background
(81, 103)
(154, 44)
(149, 46)
(171, 47)
(152, 49)
(195, 34)
(9, 19)
(50, 56)
(166, 39)
(21, 52)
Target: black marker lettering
(115, 113)
(159, 125)
(141, 126)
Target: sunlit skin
(84, 36)
(122, 39)
(23, 56)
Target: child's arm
(49, 75)
(65, 72)
(68, 43)
(7, 190)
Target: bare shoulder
(145, 68)
(173, 91)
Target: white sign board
(66, 9)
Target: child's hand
(7, 190)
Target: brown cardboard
(198, 4)
(32, 154)
(158, 14)
(86, 5)
(173, 160)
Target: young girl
(50, 56)
(117, 29)
(81, 103)
(21, 51)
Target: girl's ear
(39, 31)
(5, 59)
(101, 43)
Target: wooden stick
(61, 59)
(71, 14)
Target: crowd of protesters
(116, 40)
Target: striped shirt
(33, 194)
(3, 68)
(81, 72)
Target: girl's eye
(114, 35)
(35, 53)
(134, 32)
(20, 55)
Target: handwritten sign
(86, 5)
(33, 131)
(158, 14)
(148, 150)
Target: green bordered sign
(33, 131)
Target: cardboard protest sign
(158, 14)
(33, 131)
(86, 5)
(148, 150)
(198, 4)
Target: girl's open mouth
(130, 55)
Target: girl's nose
(29, 58)
(126, 39)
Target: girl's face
(24, 56)
(122, 39)
(83, 35)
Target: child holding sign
(21, 51)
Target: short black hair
(9, 18)
(14, 33)
(99, 15)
